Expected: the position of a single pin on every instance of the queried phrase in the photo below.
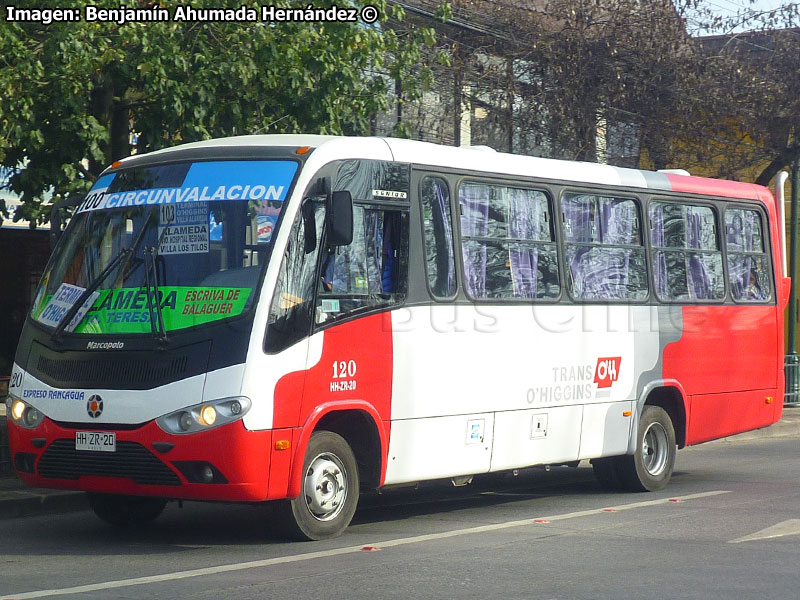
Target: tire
(605, 471)
(329, 494)
(650, 467)
(126, 511)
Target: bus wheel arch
(673, 401)
(361, 433)
(360, 425)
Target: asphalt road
(726, 527)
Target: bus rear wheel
(126, 511)
(605, 471)
(650, 468)
(330, 489)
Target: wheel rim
(655, 449)
(325, 487)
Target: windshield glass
(188, 240)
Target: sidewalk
(19, 500)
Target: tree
(555, 73)
(77, 96)
(560, 78)
(750, 124)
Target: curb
(30, 502)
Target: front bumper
(148, 461)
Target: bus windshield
(162, 248)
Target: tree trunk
(120, 136)
(102, 107)
(784, 159)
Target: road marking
(790, 527)
(255, 564)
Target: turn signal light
(303, 150)
(282, 445)
(626, 413)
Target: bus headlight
(24, 415)
(207, 415)
(17, 410)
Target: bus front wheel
(650, 467)
(329, 494)
(126, 511)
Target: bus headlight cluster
(207, 415)
(23, 414)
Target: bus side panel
(541, 436)
(718, 415)
(441, 447)
(725, 350)
(539, 370)
(604, 432)
(353, 363)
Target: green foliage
(75, 96)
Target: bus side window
(605, 251)
(748, 263)
(439, 252)
(508, 242)
(687, 259)
(369, 272)
(290, 313)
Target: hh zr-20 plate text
(96, 441)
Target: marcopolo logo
(94, 406)
(105, 345)
(607, 371)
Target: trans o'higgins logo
(607, 371)
(94, 406)
(105, 345)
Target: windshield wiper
(153, 254)
(125, 255)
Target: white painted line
(108, 585)
(790, 527)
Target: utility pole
(792, 364)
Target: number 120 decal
(342, 370)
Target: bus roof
(484, 159)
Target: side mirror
(339, 218)
(309, 227)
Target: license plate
(96, 441)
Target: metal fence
(791, 396)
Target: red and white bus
(297, 318)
